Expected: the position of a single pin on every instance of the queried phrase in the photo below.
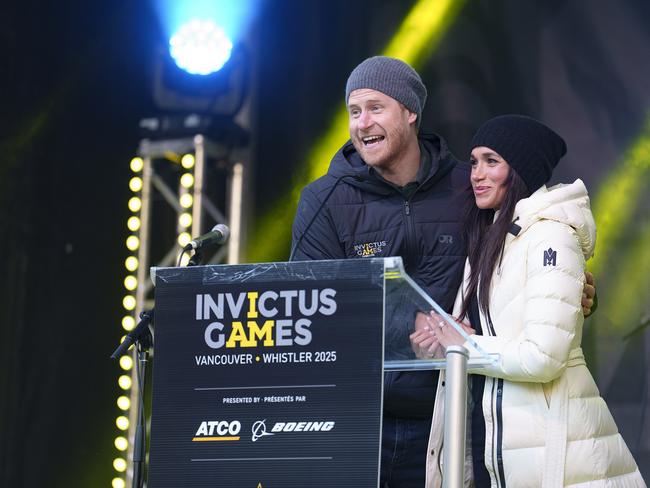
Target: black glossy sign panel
(268, 375)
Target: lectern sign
(268, 375)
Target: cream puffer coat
(546, 423)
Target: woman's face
(489, 174)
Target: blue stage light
(200, 47)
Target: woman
(538, 419)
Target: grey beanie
(391, 77)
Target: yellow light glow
(135, 184)
(123, 403)
(135, 204)
(187, 161)
(187, 180)
(130, 282)
(128, 322)
(133, 223)
(118, 483)
(618, 195)
(132, 243)
(121, 444)
(417, 36)
(186, 200)
(119, 464)
(122, 422)
(137, 164)
(131, 263)
(126, 362)
(128, 302)
(124, 381)
(185, 220)
(184, 239)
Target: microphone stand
(141, 336)
(140, 442)
(143, 340)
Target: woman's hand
(423, 341)
(445, 333)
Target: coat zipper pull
(407, 208)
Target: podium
(271, 375)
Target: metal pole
(235, 220)
(199, 176)
(455, 417)
(140, 296)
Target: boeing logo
(259, 430)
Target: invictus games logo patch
(369, 249)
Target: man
(391, 192)
(397, 192)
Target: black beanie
(529, 147)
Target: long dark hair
(485, 238)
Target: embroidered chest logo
(550, 257)
(369, 249)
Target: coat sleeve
(552, 309)
(320, 240)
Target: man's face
(380, 127)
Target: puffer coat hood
(564, 203)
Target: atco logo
(218, 430)
(369, 249)
(259, 428)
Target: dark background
(76, 79)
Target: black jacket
(366, 216)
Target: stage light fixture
(121, 444)
(184, 239)
(126, 362)
(119, 464)
(122, 422)
(128, 322)
(186, 200)
(135, 204)
(118, 483)
(129, 302)
(132, 243)
(136, 165)
(133, 223)
(131, 263)
(187, 180)
(130, 282)
(187, 161)
(124, 381)
(123, 403)
(135, 184)
(200, 47)
(185, 220)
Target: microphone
(136, 334)
(296, 245)
(217, 236)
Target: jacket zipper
(497, 421)
(410, 234)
